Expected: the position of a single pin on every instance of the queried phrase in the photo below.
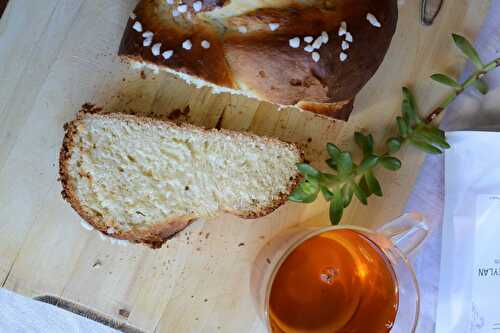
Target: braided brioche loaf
(315, 54)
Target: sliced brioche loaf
(144, 180)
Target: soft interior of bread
(189, 79)
(142, 173)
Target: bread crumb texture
(130, 172)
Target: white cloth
(19, 314)
(471, 111)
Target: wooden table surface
(65, 55)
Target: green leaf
(390, 163)
(436, 131)
(332, 163)
(344, 163)
(426, 147)
(307, 170)
(364, 143)
(428, 136)
(481, 86)
(407, 111)
(412, 110)
(407, 94)
(347, 193)
(394, 145)
(311, 182)
(299, 196)
(302, 198)
(360, 194)
(402, 126)
(306, 192)
(306, 199)
(336, 208)
(368, 163)
(329, 179)
(470, 52)
(446, 80)
(327, 194)
(364, 186)
(333, 150)
(373, 183)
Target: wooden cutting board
(57, 54)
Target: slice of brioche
(144, 180)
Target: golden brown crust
(156, 235)
(207, 64)
(261, 62)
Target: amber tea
(338, 281)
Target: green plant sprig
(351, 179)
(475, 79)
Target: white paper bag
(469, 286)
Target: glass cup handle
(407, 232)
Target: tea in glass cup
(343, 279)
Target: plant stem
(434, 114)
(478, 74)
(359, 179)
(467, 83)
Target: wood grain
(65, 55)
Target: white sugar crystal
(373, 20)
(187, 44)
(324, 37)
(175, 13)
(348, 37)
(137, 26)
(294, 42)
(205, 44)
(147, 42)
(315, 56)
(309, 48)
(156, 49)
(308, 39)
(343, 28)
(343, 56)
(345, 45)
(197, 5)
(110, 230)
(182, 8)
(147, 34)
(274, 26)
(167, 54)
(170, 2)
(242, 29)
(317, 43)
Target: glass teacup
(394, 242)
